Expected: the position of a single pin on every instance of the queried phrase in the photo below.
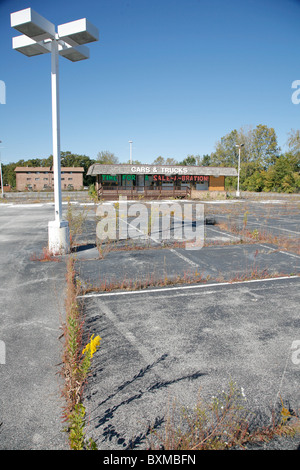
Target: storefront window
(154, 181)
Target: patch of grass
(76, 364)
(76, 223)
(263, 236)
(45, 256)
(150, 281)
(221, 424)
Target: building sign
(124, 177)
(184, 178)
(160, 170)
(126, 169)
(160, 177)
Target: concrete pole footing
(58, 237)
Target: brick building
(42, 178)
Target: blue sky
(173, 76)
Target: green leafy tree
(280, 176)
(255, 182)
(9, 175)
(159, 161)
(205, 160)
(293, 142)
(107, 158)
(171, 161)
(265, 149)
(69, 159)
(288, 183)
(189, 160)
(297, 180)
(134, 162)
(226, 152)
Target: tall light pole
(130, 143)
(239, 168)
(40, 37)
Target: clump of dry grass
(221, 424)
(262, 236)
(76, 223)
(76, 363)
(45, 256)
(106, 285)
(72, 332)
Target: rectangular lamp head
(32, 24)
(29, 47)
(75, 53)
(78, 32)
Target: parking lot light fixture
(239, 168)
(130, 142)
(40, 37)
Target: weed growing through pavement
(151, 280)
(223, 423)
(76, 364)
(76, 223)
(45, 256)
(263, 236)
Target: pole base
(58, 237)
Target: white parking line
(184, 258)
(276, 228)
(224, 233)
(282, 252)
(265, 225)
(144, 352)
(176, 288)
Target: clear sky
(173, 76)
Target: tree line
(264, 167)
(68, 159)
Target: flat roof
(100, 169)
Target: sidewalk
(31, 307)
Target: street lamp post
(239, 168)
(130, 142)
(40, 37)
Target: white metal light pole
(40, 37)
(239, 168)
(130, 142)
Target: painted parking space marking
(189, 287)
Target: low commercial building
(157, 180)
(42, 178)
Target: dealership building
(153, 181)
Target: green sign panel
(124, 177)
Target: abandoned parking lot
(199, 319)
